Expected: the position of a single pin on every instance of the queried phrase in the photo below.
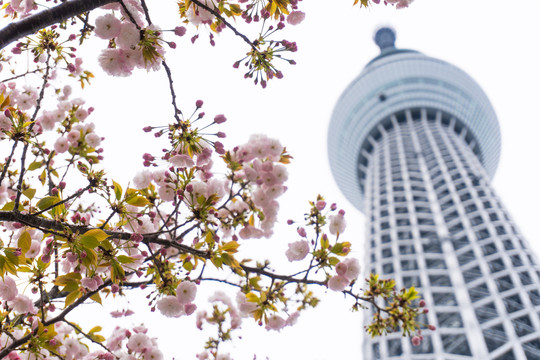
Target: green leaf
(29, 193)
(89, 242)
(188, 265)
(65, 279)
(47, 202)
(139, 201)
(96, 298)
(117, 190)
(72, 296)
(123, 259)
(98, 234)
(35, 165)
(24, 242)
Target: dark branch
(38, 21)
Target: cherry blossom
(297, 251)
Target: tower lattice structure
(414, 143)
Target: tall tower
(413, 143)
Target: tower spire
(385, 38)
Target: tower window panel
(436, 264)
(466, 257)
(477, 220)
(456, 228)
(509, 355)
(406, 249)
(418, 188)
(460, 186)
(399, 199)
(430, 235)
(493, 217)
(472, 274)
(394, 347)
(465, 197)
(404, 235)
(487, 205)
(409, 281)
(500, 230)
(532, 349)
(386, 253)
(443, 193)
(440, 280)
(384, 202)
(417, 198)
(376, 351)
(525, 278)
(496, 265)
(451, 216)
(433, 247)
(422, 221)
(516, 260)
(384, 213)
(481, 193)
(386, 238)
(444, 299)
(508, 245)
(385, 225)
(504, 283)
(422, 210)
(449, 320)
(489, 249)
(482, 234)
(478, 292)
(495, 337)
(471, 208)
(409, 265)
(460, 242)
(403, 222)
(456, 344)
(401, 210)
(486, 312)
(513, 303)
(373, 258)
(534, 295)
(523, 326)
(425, 347)
(388, 268)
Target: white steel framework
(421, 171)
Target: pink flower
(337, 224)
(129, 36)
(23, 304)
(113, 62)
(353, 268)
(142, 179)
(61, 145)
(250, 232)
(296, 17)
(182, 160)
(166, 193)
(90, 284)
(107, 26)
(297, 251)
(170, 306)
(275, 322)
(8, 288)
(93, 140)
(338, 283)
(35, 249)
(190, 308)
(139, 342)
(186, 292)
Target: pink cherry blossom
(353, 268)
(338, 283)
(93, 140)
(129, 35)
(296, 17)
(8, 288)
(23, 304)
(90, 284)
(107, 26)
(113, 62)
(297, 251)
(182, 160)
(337, 224)
(275, 322)
(61, 145)
(139, 342)
(170, 306)
(186, 292)
(35, 249)
(142, 179)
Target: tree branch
(16, 30)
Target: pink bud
(432, 327)
(301, 231)
(426, 310)
(422, 303)
(180, 31)
(320, 205)
(416, 340)
(199, 104)
(219, 119)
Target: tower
(413, 143)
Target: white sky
(494, 41)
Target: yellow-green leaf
(117, 190)
(47, 202)
(24, 242)
(72, 296)
(35, 165)
(139, 201)
(98, 234)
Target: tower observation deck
(413, 143)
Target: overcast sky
(494, 41)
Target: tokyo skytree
(414, 143)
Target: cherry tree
(72, 234)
